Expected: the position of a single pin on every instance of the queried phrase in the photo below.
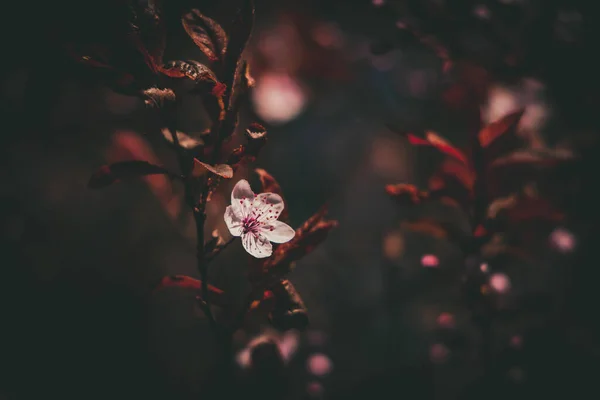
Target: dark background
(78, 317)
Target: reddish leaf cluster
(222, 87)
(475, 180)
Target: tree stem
(198, 210)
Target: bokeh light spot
(500, 283)
(319, 364)
(430, 261)
(446, 320)
(484, 267)
(278, 98)
(438, 353)
(562, 240)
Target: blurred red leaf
(461, 172)
(501, 204)
(500, 136)
(508, 174)
(436, 141)
(128, 145)
(109, 174)
(453, 180)
(428, 227)
(187, 282)
(406, 194)
(540, 158)
(533, 208)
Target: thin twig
(186, 166)
(219, 249)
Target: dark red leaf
(206, 33)
(206, 83)
(109, 174)
(193, 70)
(312, 233)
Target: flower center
(251, 224)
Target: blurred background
(387, 316)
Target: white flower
(254, 218)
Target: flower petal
(267, 207)
(241, 191)
(277, 232)
(242, 197)
(233, 221)
(257, 245)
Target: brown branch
(186, 164)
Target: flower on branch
(254, 218)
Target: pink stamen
(251, 224)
